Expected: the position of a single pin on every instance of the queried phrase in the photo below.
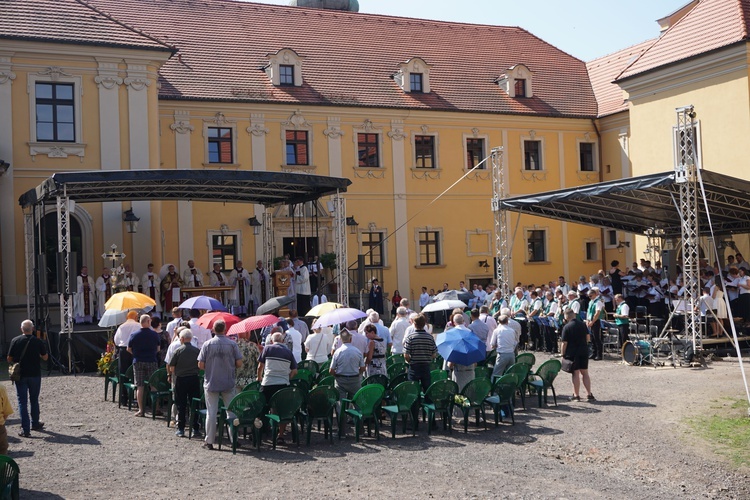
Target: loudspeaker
(669, 263)
(72, 273)
(41, 269)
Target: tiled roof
(69, 21)
(604, 70)
(349, 59)
(710, 25)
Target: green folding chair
(159, 390)
(438, 399)
(329, 381)
(482, 372)
(309, 365)
(9, 473)
(395, 369)
(252, 386)
(502, 396)
(366, 405)
(243, 411)
(112, 377)
(521, 370)
(403, 398)
(321, 404)
(376, 379)
(283, 407)
(128, 383)
(542, 380)
(436, 375)
(475, 392)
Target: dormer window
(286, 74)
(285, 68)
(416, 82)
(414, 76)
(517, 81)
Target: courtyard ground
(635, 441)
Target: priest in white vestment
(239, 278)
(192, 277)
(149, 285)
(103, 290)
(261, 285)
(84, 298)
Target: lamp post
(255, 224)
(352, 224)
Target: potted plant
(329, 263)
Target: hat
(132, 315)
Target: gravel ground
(633, 442)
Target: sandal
(575, 398)
(591, 397)
(138, 414)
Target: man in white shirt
(200, 334)
(480, 328)
(358, 340)
(121, 338)
(424, 298)
(302, 285)
(176, 320)
(192, 276)
(299, 324)
(504, 341)
(296, 337)
(398, 330)
(318, 344)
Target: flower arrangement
(461, 400)
(102, 364)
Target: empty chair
(242, 412)
(438, 399)
(403, 398)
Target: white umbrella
(112, 318)
(443, 305)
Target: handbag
(567, 365)
(14, 369)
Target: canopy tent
(642, 203)
(243, 186)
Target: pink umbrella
(208, 319)
(253, 323)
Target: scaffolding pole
(340, 247)
(268, 241)
(502, 244)
(64, 288)
(685, 176)
(28, 233)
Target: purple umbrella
(338, 316)
(203, 302)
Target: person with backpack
(29, 351)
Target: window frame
(596, 254)
(210, 243)
(284, 79)
(378, 148)
(56, 148)
(483, 153)
(219, 140)
(438, 245)
(297, 141)
(540, 154)
(608, 238)
(415, 158)
(223, 123)
(366, 245)
(594, 156)
(522, 83)
(415, 77)
(55, 102)
(544, 240)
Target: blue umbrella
(461, 346)
(202, 302)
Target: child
(5, 410)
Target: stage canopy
(264, 188)
(641, 203)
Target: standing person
(175, 322)
(296, 339)
(261, 285)
(395, 302)
(121, 339)
(170, 288)
(201, 334)
(29, 351)
(615, 277)
(398, 329)
(314, 268)
(376, 296)
(144, 347)
(5, 411)
(480, 328)
(276, 367)
(419, 351)
(424, 298)
(164, 338)
(302, 286)
(593, 322)
(219, 357)
(318, 344)
(622, 319)
(183, 373)
(129, 279)
(150, 285)
(83, 300)
(103, 290)
(192, 277)
(250, 350)
(216, 277)
(575, 339)
(347, 366)
(239, 278)
(376, 349)
(504, 340)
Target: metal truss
(340, 247)
(66, 298)
(502, 248)
(30, 261)
(268, 240)
(686, 178)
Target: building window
(297, 148)
(55, 116)
(592, 250)
(586, 156)
(286, 74)
(424, 147)
(520, 87)
(474, 153)
(219, 145)
(537, 244)
(532, 155)
(416, 82)
(372, 247)
(429, 248)
(224, 251)
(611, 238)
(368, 153)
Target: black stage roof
(265, 188)
(641, 203)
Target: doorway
(295, 247)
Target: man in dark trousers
(376, 297)
(144, 346)
(183, 370)
(29, 351)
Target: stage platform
(89, 342)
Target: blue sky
(586, 29)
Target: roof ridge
(545, 42)
(126, 26)
(624, 49)
(660, 38)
